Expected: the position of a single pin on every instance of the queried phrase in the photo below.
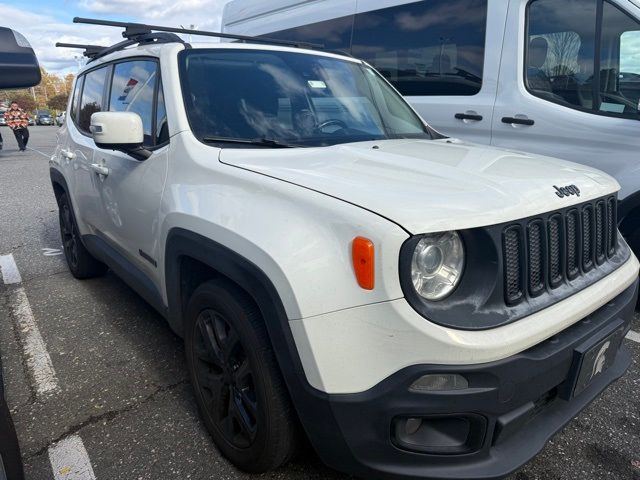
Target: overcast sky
(45, 22)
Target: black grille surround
(540, 254)
(517, 268)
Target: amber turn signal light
(362, 252)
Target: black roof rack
(139, 33)
(90, 51)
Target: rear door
(569, 84)
(130, 194)
(80, 150)
(442, 55)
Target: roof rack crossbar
(90, 51)
(132, 37)
(133, 29)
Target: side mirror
(121, 131)
(18, 63)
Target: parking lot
(90, 366)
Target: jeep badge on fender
(567, 191)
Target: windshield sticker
(317, 84)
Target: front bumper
(515, 405)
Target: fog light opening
(439, 382)
(440, 435)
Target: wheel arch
(182, 245)
(58, 183)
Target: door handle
(68, 154)
(468, 116)
(100, 169)
(518, 121)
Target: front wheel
(238, 387)
(81, 263)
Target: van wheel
(239, 389)
(81, 263)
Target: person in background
(18, 121)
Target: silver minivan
(555, 77)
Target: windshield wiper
(265, 142)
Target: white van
(512, 73)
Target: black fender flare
(58, 178)
(313, 406)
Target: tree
(68, 82)
(58, 102)
(25, 101)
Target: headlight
(437, 264)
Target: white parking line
(70, 461)
(633, 336)
(35, 350)
(10, 273)
(37, 358)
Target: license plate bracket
(592, 358)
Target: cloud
(204, 13)
(44, 28)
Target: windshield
(290, 99)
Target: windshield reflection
(290, 98)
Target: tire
(81, 263)
(239, 389)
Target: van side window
(334, 34)
(92, 96)
(562, 64)
(133, 89)
(426, 48)
(619, 84)
(76, 98)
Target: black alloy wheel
(238, 386)
(225, 379)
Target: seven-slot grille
(543, 253)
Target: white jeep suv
(417, 306)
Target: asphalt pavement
(117, 392)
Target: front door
(570, 84)
(131, 191)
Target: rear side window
(76, 98)
(133, 90)
(584, 54)
(426, 48)
(92, 97)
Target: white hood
(429, 186)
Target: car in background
(32, 122)
(43, 117)
(3, 121)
